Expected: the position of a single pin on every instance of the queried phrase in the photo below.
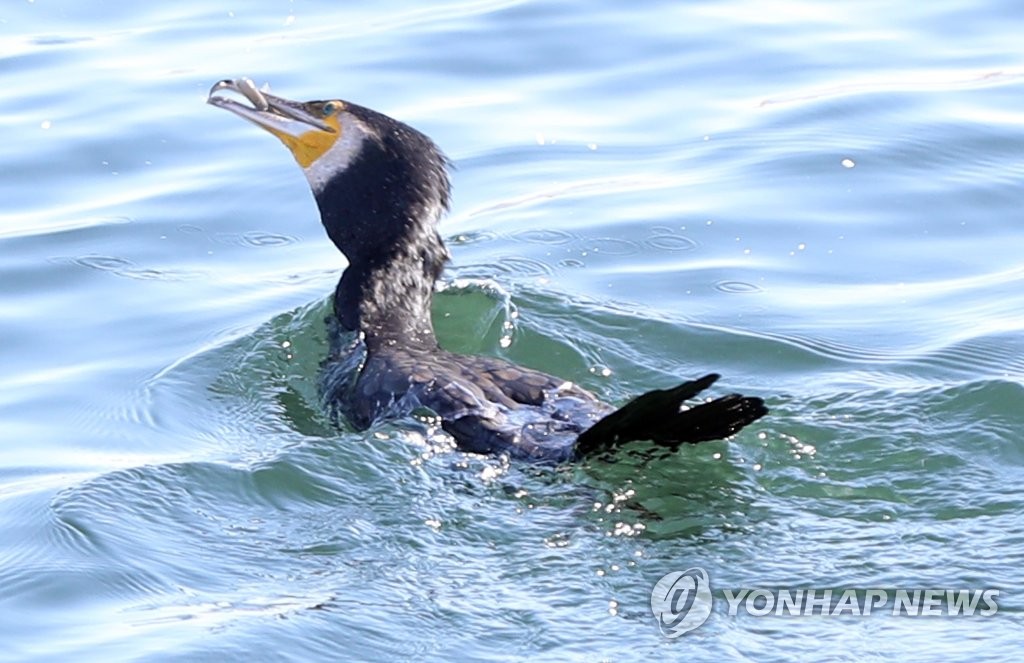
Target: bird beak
(281, 117)
(308, 129)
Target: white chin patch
(339, 157)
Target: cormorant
(381, 187)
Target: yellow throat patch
(309, 146)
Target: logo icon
(681, 601)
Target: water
(818, 200)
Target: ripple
(103, 263)
(128, 269)
(476, 237)
(614, 246)
(670, 242)
(211, 612)
(255, 238)
(997, 354)
(737, 287)
(994, 356)
(523, 266)
(572, 263)
(258, 238)
(550, 237)
(836, 350)
(66, 555)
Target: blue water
(820, 200)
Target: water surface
(818, 200)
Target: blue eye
(329, 108)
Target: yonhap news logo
(682, 600)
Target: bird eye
(329, 108)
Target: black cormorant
(381, 187)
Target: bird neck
(388, 299)
(381, 210)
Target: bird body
(381, 188)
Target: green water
(818, 201)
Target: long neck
(388, 299)
(381, 209)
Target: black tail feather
(657, 416)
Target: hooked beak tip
(243, 86)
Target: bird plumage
(381, 187)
